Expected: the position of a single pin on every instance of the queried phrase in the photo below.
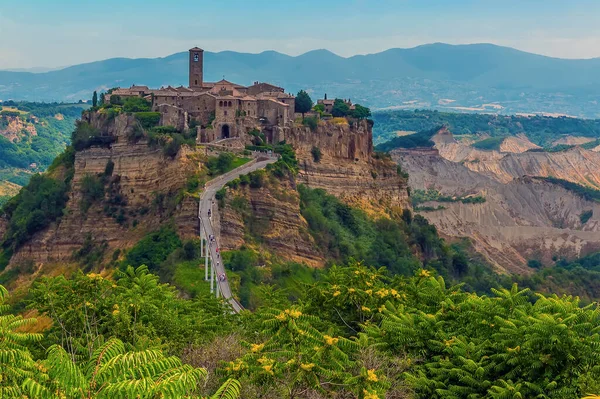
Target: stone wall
(173, 116)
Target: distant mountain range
(474, 78)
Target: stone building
(328, 104)
(219, 110)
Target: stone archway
(225, 131)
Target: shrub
(109, 168)
(92, 190)
(257, 179)
(148, 119)
(221, 164)
(36, 206)
(316, 154)
(136, 104)
(85, 135)
(312, 122)
(154, 248)
(173, 146)
(220, 197)
(340, 108)
(116, 100)
(585, 216)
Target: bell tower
(196, 68)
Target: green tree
(95, 99)
(16, 362)
(114, 372)
(320, 108)
(340, 108)
(303, 102)
(360, 112)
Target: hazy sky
(65, 32)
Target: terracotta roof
(275, 101)
(139, 88)
(196, 49)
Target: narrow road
(206, 201)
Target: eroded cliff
(522, 218)
(142, 190)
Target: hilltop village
(220, 110)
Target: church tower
(196, 68)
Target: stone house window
(225, 113)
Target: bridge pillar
(212, 278)
(206, 263)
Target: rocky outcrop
(517, 144)
(143, 188)
(572, 140)
(521, 219)
(271, 214)
(15, 127)
(576, 164)
(347, 168)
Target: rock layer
(522, 219)
(141, 175)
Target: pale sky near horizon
(67, 32)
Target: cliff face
(272, 214)
(143, 191)
(521, 219)
(576, 164)
(141, 185)
(347, 168)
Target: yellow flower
(371, 376)
(381, 308)
(351, 290)
(257, 348)
(424, 273)
(268, 369)
(336, 293)
(115, 312)
(307, 367)
(280, 316)
(368, 284)
(357, 272)
(394, 292)
(235, 366)
(370, 394)
(365, 309)
(294, 314)
(263, 360)
(330, 340)
(382, 292)
(369, 292)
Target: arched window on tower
(229, 104)
(220, 103)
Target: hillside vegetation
(540, 130)
(357, 332)
(32, 135)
